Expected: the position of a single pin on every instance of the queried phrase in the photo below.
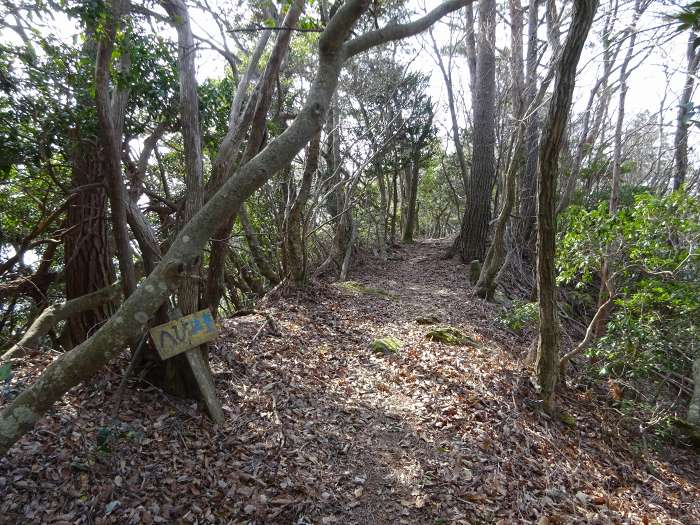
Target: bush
(520, 316)
(653, 245)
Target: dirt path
(322, 430)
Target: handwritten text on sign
(182, 334)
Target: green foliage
(688, 18)
(653, 248)
(520, 316)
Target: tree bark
(293, 241)
(495, 256)
(600, 89)
(184, 374)
(527, 184)
(253, 119)
(475, 223)
(547, 363)
(87, 249)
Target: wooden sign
(184, 333)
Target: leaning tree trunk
(84, 361)
(56, 313)
(253, 119)
(176, 375)
(475, 223)
(547, 363)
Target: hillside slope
(321, 429)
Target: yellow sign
(182, 334)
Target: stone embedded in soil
(387, 345)
(428, 319)
(448, 335)
(356, 288)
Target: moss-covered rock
(356, 288)
(428, 319)
(448, 335)
(387, 345)
(567, 419)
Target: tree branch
(399, 31)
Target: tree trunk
(253, 118)
(475, 223)
(110, 131)
(87, 249)
(496, 254)
(547, 363)
(53, 315)
(694, 407)
(412, 196)
(178, 375)
(527, 188)
(262, 260)
(680, 141)
(294, 242)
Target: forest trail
(320, 429)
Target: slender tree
(547, 363)
(680, 141)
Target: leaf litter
(319, 430)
